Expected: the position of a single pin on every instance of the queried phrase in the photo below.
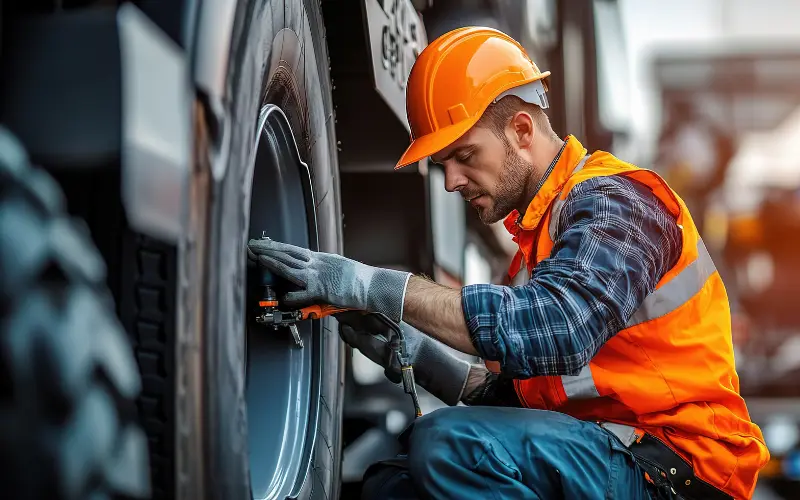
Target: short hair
(497, 116)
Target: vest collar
(557, 175)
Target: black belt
(672, 468)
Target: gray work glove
(332, 279)
(436, 368)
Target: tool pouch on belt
(671, 474)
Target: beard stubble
(512, 186)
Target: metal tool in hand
(398, 345)
(274, 317)
(271, 315)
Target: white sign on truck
(396, 37)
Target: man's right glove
(435, 368)
(326, 278)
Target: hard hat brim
(434, 142)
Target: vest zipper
(521, 394)
(539, 228)
(556, 395)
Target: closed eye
(461, 155)
(465, 156)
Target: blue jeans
(507, 453)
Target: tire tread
(68, 378)
(142, 275)
(150, 329)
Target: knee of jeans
(443, 439)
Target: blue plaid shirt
(617, 240)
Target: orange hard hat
(454, 80)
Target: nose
(454, 180)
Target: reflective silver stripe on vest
(661, 302)
(559, 204)
(676, 292)
(580, 386)
(625, 433)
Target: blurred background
(705, 92)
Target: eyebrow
(454, 152)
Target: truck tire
(287, 187)
(265, 418)
(68, 380)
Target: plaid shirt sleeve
(617, 240)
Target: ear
(523, 129)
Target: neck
(546, 156)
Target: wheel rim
(281, 379)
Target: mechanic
(609, 373)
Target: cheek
(486, 175)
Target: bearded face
(488, 172)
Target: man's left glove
(333, 279)
(436, 368)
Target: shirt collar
(551, 184)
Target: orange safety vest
(670, 372)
